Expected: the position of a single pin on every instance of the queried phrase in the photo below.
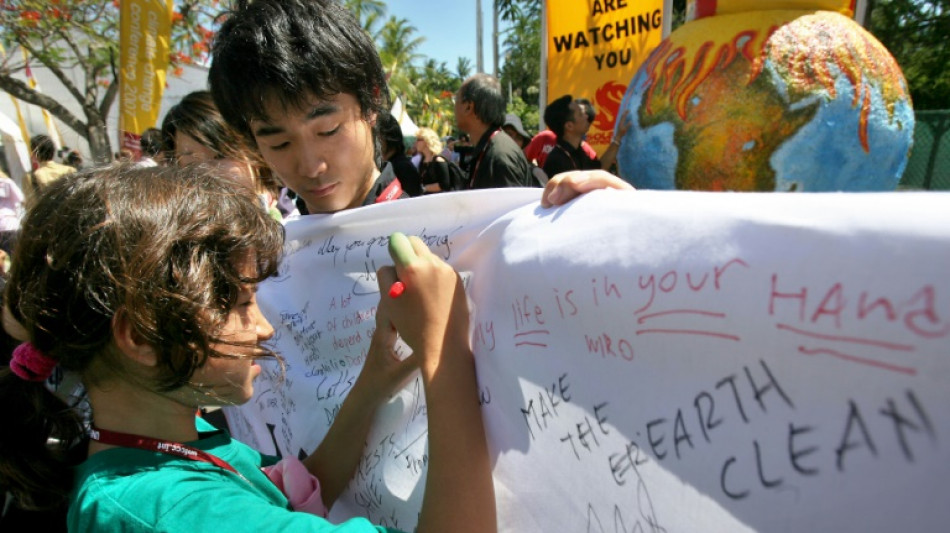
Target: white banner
(648, 361)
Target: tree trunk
(99, 146)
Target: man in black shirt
(497, 160)
(569, 119)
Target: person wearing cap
(515, 129)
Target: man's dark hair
(390, 134)
(485, 94)
(290, 50)
(43, 148)
(151, 142)
(558, 113)
(74, 159)
(588, 109)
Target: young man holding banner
(302, 81)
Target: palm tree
(398, 52)
(369, 13)
(510, 11)
(463, 68)
(436, 85)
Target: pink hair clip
(31, 364)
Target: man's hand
(566, 186)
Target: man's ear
(130, 342)
(372, 118)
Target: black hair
(74, 159)
(558, 113)
(588, 109)
(390, 135)
(485, 94)
(290, 50)
(43, 148)
(151, 142)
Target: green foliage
(528, 113)
(521, 72)
(78, 41)
(425, 86)
(915, 32)
(398, 52)
(368, 13)
(679, 13)
(463, 68)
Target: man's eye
(331, 132)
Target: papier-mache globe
(784, 95)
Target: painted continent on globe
(771, 100)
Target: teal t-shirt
(132, 490)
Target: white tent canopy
(15, 149)
(406, 124)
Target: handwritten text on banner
(653, 361)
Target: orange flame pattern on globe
(802, 51)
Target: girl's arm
(336, 459)
(432, 317)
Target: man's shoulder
(386, 188)
(503, 144)
(544, 137)
(557, 160)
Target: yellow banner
(594, 48)
(51, 128)
(144, 41)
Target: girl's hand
(432, 312)
(383, 371)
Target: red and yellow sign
(594, 48)
(144, 43)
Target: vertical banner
(51, 129)
(144, 43)
(594, 48)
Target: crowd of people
(129, 277)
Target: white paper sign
(648, 361)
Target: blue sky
(448, 27)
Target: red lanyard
(481, 155)
(390, 193)
(177, 449)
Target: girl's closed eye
(280, 146)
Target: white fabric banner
(647, 361)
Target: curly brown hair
(164, 246)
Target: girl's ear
(130, 342)
(13, 327)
